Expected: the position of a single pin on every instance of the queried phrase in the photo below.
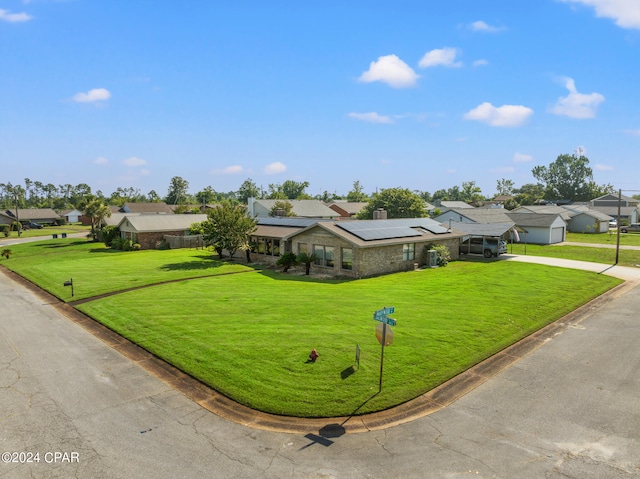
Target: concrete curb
(423, 405)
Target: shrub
(5, 230)
(6, 253)
(163, 245)
(109, 234)
(116, 243)
(287, 260)
(443, 254)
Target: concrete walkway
(623, 272)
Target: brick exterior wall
(368, 261)
(151, 240)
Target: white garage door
(557, 235)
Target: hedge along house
(365, 248)
(149, 230)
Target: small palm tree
(306, 259)
(287, 260)
(6, 253)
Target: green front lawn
(610, 238)
(97, 270)
(249, 335)
(48, 231)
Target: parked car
(632, 228)
(31, 224)
(613, 224)
(486, 246)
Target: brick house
(354, 249)
(149, 230)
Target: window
(303, 248)
(276, 247)
(408, 252)
(324, 255)
(347, 258)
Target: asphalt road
(569, 409)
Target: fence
(192, 241)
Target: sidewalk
(623, 272)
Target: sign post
(69, 283)
(381, 316)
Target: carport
(498, 231)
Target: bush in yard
(6, 253)
(443, 255)
(109, 234)
(287, 260)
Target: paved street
(569, 409)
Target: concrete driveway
(569, 409)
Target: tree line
(569, 177)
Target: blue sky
(418, 94)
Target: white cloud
(601, 167)
(521, 158)
(228, 170)
(505, 115)
(7, 16)
(577, 105)
(371, 117)
(440, 56)
(626, 13)
(97, 94)
(633, 132)
(134, 161)
(144, 172)
(480, 63)
(101, 161)
(391, 70)
(275, 168)
(481, 26)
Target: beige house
(355, 249)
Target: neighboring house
(157, 207)
(354, 248)
(541, 228)
(72, 216)
(579, 218)
(474, 215)
(38, 215)
(608, 204)
(445, 205)
(301, 208)
(149, 230)
(347, 209)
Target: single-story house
(355, 249)
(579, 218)
(72, 216)
(474, 215)
(153, 207)
(149, 230)
(540, 228)
(38, 215)
(608, 204)
(301, 208)
(347, 209)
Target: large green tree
(228, 228)
(569, 178)
(357, 193)
(248, 189)
(398, 203)
(178, 191)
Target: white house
(541, 228)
